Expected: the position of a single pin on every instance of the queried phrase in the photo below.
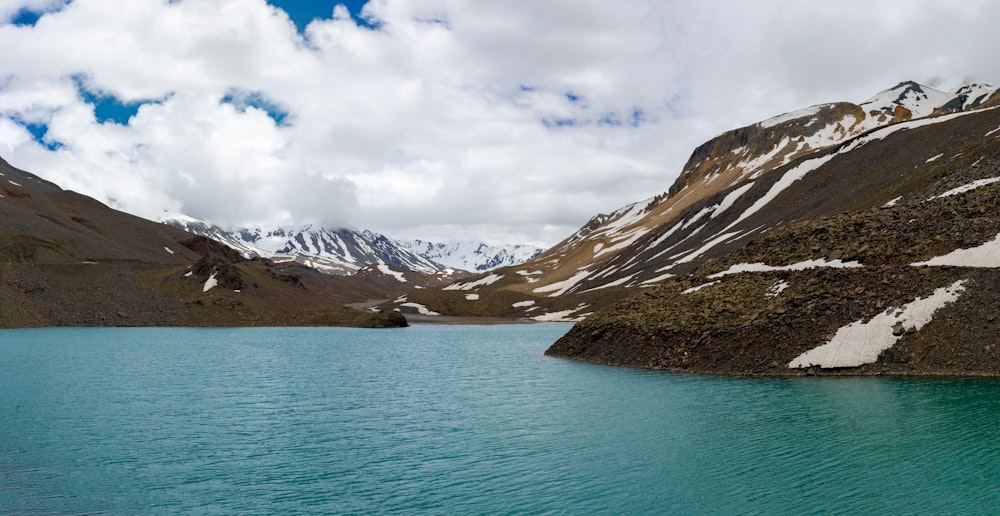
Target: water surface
(462, 419)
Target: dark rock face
(210, 248)
(226, 275)
(384, 320)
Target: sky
(444, 120)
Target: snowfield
(801, 266)
(861, 342)
(986, 255)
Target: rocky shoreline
(736, 327)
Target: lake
(459, 420)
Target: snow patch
(210, 283)
(472, 297)
(167, 249)
(861, 342)
(986, 255)
(421, 309)
(13, 183)
(893, 202)
(808, 264)
(699, 287)
(787, 117)
(659, 279)
(488, 280)
(562, 316)
(615, 283)
(967, 188)
(708, 245)
(934, 158)
(777, 289)
(700, 215)
(561, 287)
(384, 269)
(731, 198)
(522, 304)
(793, 175)
(635, 235)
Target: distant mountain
(346, 251)
(472, 256)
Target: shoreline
(414, 319)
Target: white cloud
(455, 120)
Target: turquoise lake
(462, 420)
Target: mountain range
(344, 251)
(843, 238)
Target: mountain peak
(918, 99)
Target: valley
(838, 239)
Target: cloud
(440, 119)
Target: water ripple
(445, 420)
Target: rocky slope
(66, 259)
(879, 255)
(717, 175)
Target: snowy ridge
(333, 251)
(345, 251)
(920, 100)
(471, 256)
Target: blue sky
(304, 11)
(445, 120)
(109, 108)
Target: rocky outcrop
(778, 142)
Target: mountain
(839, 239)
(472, 256)
(333, 251)
(345, 251)
(68, 260)
(646, 243)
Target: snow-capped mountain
(918, 99)
(345, 251)
(334, 251)
(472, 256)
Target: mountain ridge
(345, 251)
